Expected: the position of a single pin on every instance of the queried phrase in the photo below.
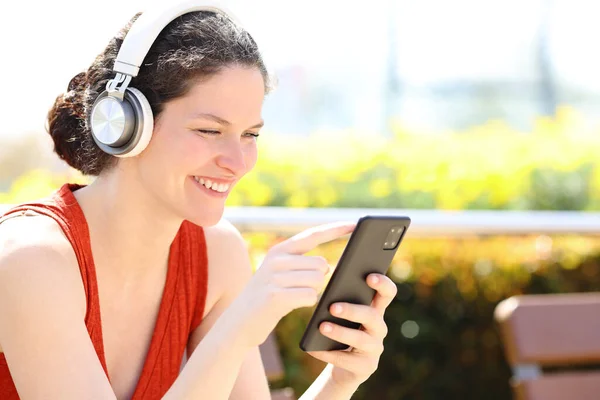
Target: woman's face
(203, 143)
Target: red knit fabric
(181, 308)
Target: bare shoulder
(228, 272)
(224, 231)
(225, 243)
(35, 246)
(36, 259)
(229, 266)
(25, 240)
(30, 230)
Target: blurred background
(428, 108)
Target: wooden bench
(557, 330)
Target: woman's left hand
(354, 366)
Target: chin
(205, 218)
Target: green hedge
(554, 166)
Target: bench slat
(551, 329)
(568, 385)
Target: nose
(232, 157)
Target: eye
(207, 131)
(252, 134)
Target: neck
(130, 229)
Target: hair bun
(77, 82)
(66, 122)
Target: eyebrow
(223, 121)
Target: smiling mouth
(217, 187)
(213, 188)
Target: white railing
(425, 223)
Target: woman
(134, 286)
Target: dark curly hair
(194, 46)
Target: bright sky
(45, 43)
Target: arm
(324, 388)
(42, 308)
(235, 370)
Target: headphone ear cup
(144, 124)
(122, 128)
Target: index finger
(310, 238)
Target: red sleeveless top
(181, 307)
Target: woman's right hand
(286, 280)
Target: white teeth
(217, 187)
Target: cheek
(166, 143)
(188, 150)
(250, 156)
(192, 151)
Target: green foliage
(36, 184)
(555, 166)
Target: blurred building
(433, 64)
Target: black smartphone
(370, 249)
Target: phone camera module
(393, 238)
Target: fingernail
(374, 279)
(327, 328)
(337, 308)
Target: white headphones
(121, 119)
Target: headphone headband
(121, 119)
(148, 26)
